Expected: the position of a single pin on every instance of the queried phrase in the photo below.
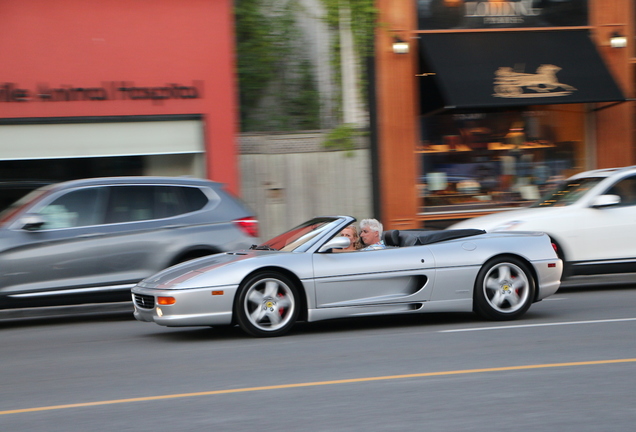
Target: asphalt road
(568, 365)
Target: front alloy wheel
(504, 289)
(267, 305)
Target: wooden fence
(290, 178)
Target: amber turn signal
(166, 300)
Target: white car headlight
(507, 226)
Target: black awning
(505, 69)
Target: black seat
(391, 237)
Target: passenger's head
(352, 233)
(370, 231)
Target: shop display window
(480, 160)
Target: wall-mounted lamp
(400, 46)
(617, 40)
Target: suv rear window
(194, 199)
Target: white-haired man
(371, 234)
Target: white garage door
(57, 141)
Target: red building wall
(111, 44)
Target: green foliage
(268, 41)
(342, 137)
(364, 17)
(305, 104)
(363, 21)
(256, 51)
(270, 68)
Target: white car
(590, 217)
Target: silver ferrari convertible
(297, 276)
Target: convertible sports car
(296, 276)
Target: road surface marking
(537, 325)
(314, 384)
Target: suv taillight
(249, 225)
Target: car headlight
(511, 225)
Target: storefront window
(480, 160)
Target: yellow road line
(318, 383)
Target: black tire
(267, 305)
(504, 289)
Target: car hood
(534, 215)
(185, 275)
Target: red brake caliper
(281, 310)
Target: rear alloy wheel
(504, 289)
(267, 305)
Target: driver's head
(370, 231)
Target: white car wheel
(267, 305)
(504, 289)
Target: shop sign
(112, 90)
(512, 84)
(468, 14)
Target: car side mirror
(339, 242)
(605, 201)
(31, 222)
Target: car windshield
(298, 236)
(568, 192)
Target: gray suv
(92, 240)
